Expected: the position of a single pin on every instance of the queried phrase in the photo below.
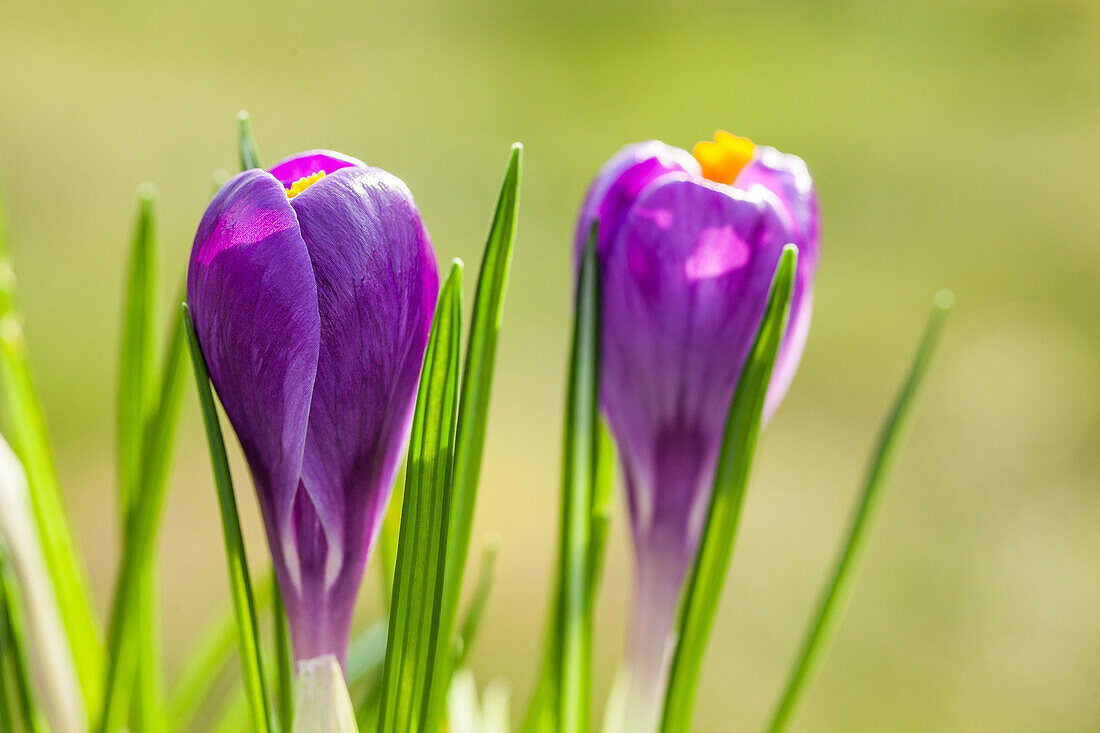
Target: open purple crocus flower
(688, 245)
(312, 288)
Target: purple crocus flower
(688, 245)
(312, 288)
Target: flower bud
(312, 289)
(688, 245)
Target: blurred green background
(954, 144)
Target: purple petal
(788, 179)
(685, 284)
(377, 283)
(303, 165)
(252, 297)
(620, 181)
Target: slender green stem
(838, 592)
(240, 583)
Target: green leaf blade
(240, 584)
(13, 648)
(838, 591)
(477, 377)
(133, 588)
(136, 403)
(703, 590)
(573, 655)
(422, 547)
(247, 151)
(136, 358)
(30, 441)
(199, 674)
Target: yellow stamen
(303, 183)
(724, 158)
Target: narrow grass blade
(240, 584)
(603, 500)
(422, 548)
(468, 632)
(7, 716)
(837, 593)
(247, 151)
(704, 588)
(136, 403)
(573, 653)
(136, 380)
(30, 440)
(13, 647)
(586, 438)
(197, 678)
(284, 665)
(477, 380)
(139, 543)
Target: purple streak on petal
(302, 165)
(788, 179)
(619, 182)
(253, 299)
(377, 283)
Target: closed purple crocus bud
(688, 245)
(312, 288)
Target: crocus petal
(253, 300)
(619, 182)
(377, 283)
(685, 285)
(788, 179)
(303, 165)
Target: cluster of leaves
(399, 669)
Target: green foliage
(13, 654)
(425, 522)
(213, 651)
(561, 701)
(31, 443)
(573, 653)
(838, 591)
(138, 545)
(137, 401)
(240, 583)
(248, 153)
(477, 378)
(704, 587)
(464, 641)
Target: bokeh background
(955, 144)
